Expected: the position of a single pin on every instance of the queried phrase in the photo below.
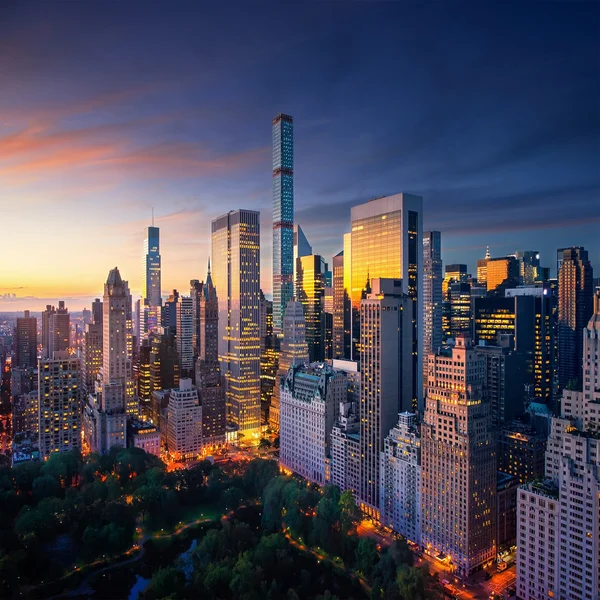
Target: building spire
(487, 252)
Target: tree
(366, 556)
(411, 583)
(264, 444)
(45, 487)
(349, 513)
(258, 474)
(168, 582)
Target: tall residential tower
(283, 217)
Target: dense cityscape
(374, 422)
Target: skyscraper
(301, 248)
(149, 315)
(209, 381)
(341, 310)
(503, 272)
(386, 242)
(184, 426)
(106, 411)
(236, 275)
(97, 311)
(59, 329)
(432, 291)
(59, 389)
(294, 351)
(184, 334)
(574, 309)
(458, 461)
(310, 290)
(283, 216)
(26, 342)
(92, 356)
(529, 266)
(386, 376)
(559, 519)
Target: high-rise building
(283, 217)
(310, 401)
(386, 242)
(26, 342)
(210, 383)
(45, 341)
(386, 376)
(506, 512)
(559, 519)
(458, 309)
(59, 401)
(196, 296)
(97, 312)
(144, 378)
(236, 274)
(529, 266)
(151, 280)
(92, 356)
(310, 291)
(502, 272)
(302, 247)
(401, 479)
(575, 293)
(294, 352)
(341, 310)
(455, 273)
(59, 325)
(458, 454)
(26, 414)
(164, 360)
(184, 334)
(269, 356)
(106, 411)
(482, 268)
(184, 425)
(521, 451)
(432, 292)
(344, 461)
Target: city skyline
(95, 149)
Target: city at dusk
(300, 300)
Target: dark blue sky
(488, 110)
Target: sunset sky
(490, 111)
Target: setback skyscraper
(236, 275)
(149, 314)
(283, 217)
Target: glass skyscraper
(283, 217)
(151, 275)
(386, 242)
(236, 274)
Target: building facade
(283, 217)
(59, 402)
(401, 479)
(432, 292)
(184, 426)
(386, 377)
(26, 342)
(386, 242)
(458, 453)
(309, 406)
(236, 275)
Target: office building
(294, 352)
(25, 413)
(458, 454)
(506, 512)
(386, 242)
(144, 378)
(401, 479)
(457, 309)
(196, 295)
(283, 217)
(184, 426)
(574, 310)
(482, 268)
(60, 330)
(521, 451)
(341, 310)
(97, 311)
(502, 273)
(455, 273)
(302, 247)
(432, 291)
(151, 276)
(164, 360)
(505, 377)
(309, 404)
(210, 383)
(184, 327)
(529, 267)
(310, 291)
(26, 342)
(92, 356)
(386, 376)
(59, 402)
(236, 275)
